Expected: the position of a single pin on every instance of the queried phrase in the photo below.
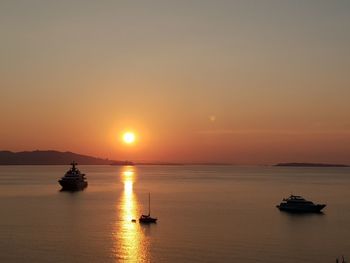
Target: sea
(205, 214)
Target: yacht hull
(148, 221)
(72, 186)
(301, 209)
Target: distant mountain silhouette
(311, 165)
(50, 158)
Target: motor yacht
(295, 203)
(73, 180)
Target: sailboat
(147, 219)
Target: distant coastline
(51, 157)
(311, 165)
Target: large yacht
(295, 203)
(73, 179)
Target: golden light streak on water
(131, 244)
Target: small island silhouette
(311, 165)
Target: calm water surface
(206, 214)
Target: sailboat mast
(149, 204)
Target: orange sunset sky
(246, 82)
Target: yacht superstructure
(73, 179)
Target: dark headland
(311, 165)
(53, 158)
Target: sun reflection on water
(131, 244)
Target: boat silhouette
(73, 180)
(296, 203)
(147, 219)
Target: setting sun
(129, 137)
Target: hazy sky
(231, 81)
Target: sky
(244, 82)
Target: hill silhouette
(51, 158)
